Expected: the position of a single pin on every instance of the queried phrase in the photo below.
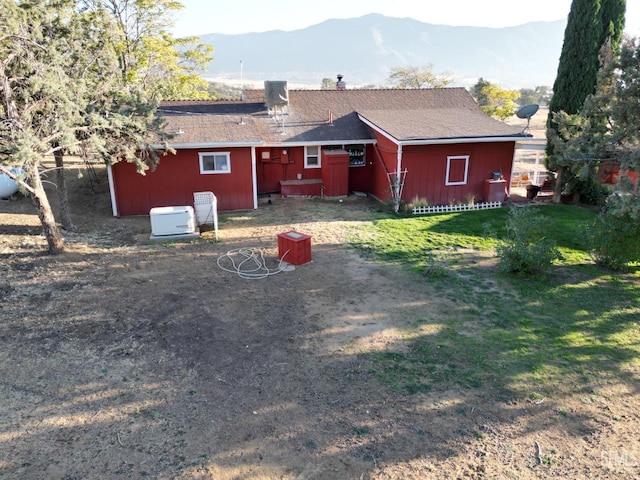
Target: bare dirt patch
(123, 358)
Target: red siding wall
(386, 160)
(276, 166)
(426, 167)
(281, 164)
(177, 177)
(360, 177)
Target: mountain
(365, 49)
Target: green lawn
(525, 336)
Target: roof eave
(252, 143)
(324, 143)
(442, 141)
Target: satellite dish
(527, 112)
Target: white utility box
(172, 220)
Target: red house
(394, 144)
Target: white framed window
(457, 170)
(312, 157)
(215, 162)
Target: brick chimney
(340, 85)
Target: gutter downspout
(507, 186)
(112, 192)
(254, 178)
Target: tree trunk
(40, 200)
(33, 180)
(575, 198)
(63, 198)
(560, 179)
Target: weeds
(527, 248)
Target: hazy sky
(243, 16)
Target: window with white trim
(457, 170)
(215, 162)
(312, 157)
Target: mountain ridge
(365, 49)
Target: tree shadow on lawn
(571, 320)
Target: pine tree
(591, 23)
(61, 89)
(149, 57)
(606, 131)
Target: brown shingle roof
(438, 124)
(206, 122)
(325, 116)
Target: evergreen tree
(613, 21)
(61, 89)
(578, 66)
(605, 131)
(149, 57)
(476, 92)
(591, 23)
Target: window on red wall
(312, 157)
(457, 170)
(215, 162)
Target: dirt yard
(123, 358)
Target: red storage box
(494, 190)
(294, 248)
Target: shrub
(613, 239)
(593, 193)
(436, 265)
(525, 248)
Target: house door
(269, 173)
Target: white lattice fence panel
(463, 207)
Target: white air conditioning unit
(172, 220)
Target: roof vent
(340, 85)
